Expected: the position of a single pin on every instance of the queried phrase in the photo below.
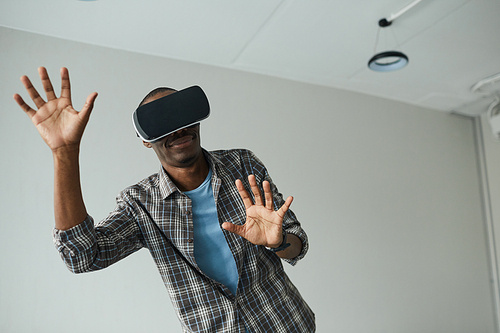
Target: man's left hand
(263, 225)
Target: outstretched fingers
(35, 96)
(255, 190)
(47, 85)
(259, 200)
(268, 194)
(247, 201)
(26, 108)
(65, 84)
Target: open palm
(263, 225)
(59, 124)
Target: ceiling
(451, 44)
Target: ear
(147, 144)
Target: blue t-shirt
(211, 251)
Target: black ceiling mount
(384, 23)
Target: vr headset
(155, 120)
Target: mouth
(181, 142)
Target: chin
(189, 159)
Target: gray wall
(492, 170)
(388, 193)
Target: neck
(190, 177)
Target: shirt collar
(167, 186)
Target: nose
(180, 131)
(176, 134)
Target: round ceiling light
(388, 61)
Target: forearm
(293, 250)
(69, 208)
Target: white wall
(388, 193)
(491, 155)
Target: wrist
(284, 244)
(65, 151)
(66, 155)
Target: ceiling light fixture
(389, 61)
(488, 89)
(490, 80)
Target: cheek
(159, 152)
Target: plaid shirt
(156, 215)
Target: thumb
(89, 105)
(283, 209)
(234, 228)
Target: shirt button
(188, 212)
(190, 240)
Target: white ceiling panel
(310, 45)
(212, 32)
(336, 40)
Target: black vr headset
(155, 120)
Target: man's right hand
(61, 127)
(59, 124)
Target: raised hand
(263, 225)
(59, 124)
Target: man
(216, 249)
